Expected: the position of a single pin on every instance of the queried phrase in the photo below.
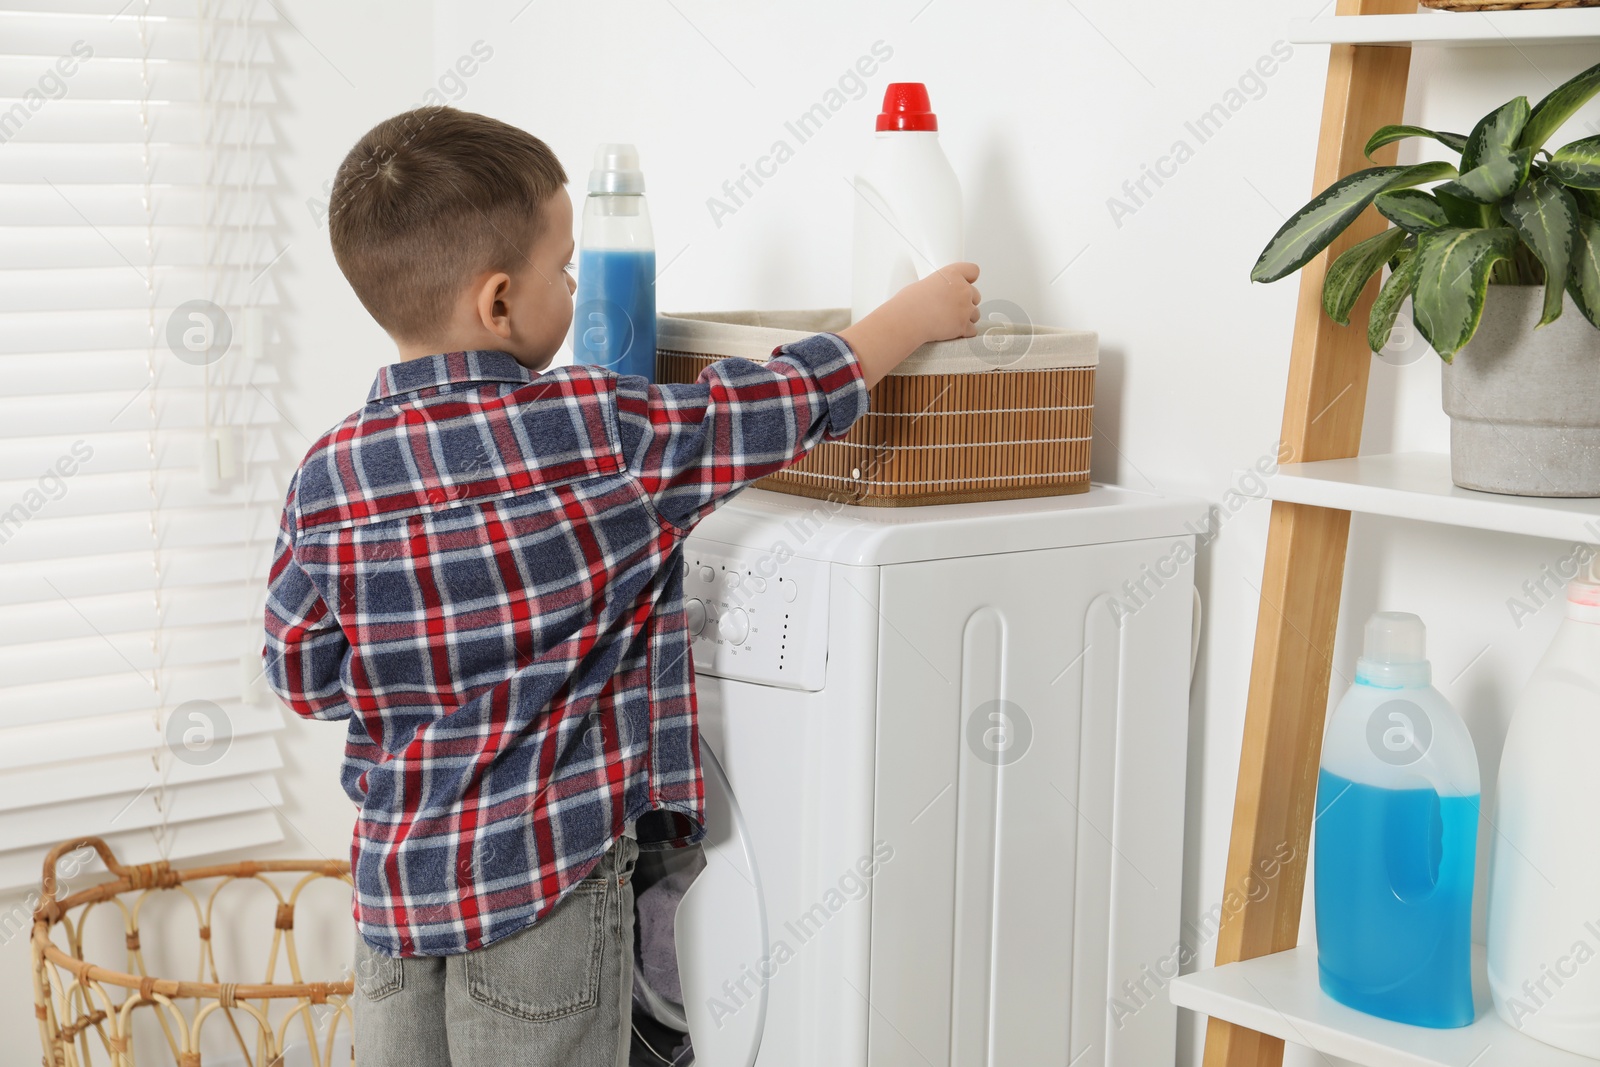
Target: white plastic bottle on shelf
(1544, 865)
(907, 204)
(1397, 837)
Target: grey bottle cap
(616, 170)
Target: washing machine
(944, 753)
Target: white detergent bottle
(907, 204)
(1544, 864)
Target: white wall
(1046, 110)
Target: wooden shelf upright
(1300, 583)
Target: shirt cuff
(833, 365)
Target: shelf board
(1454, 28)
(1417, 485)
(1279, 995)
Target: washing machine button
(789, 589)
(734, 626)
(696, 611)
(731, 579)
(758, 583)
(707, 574)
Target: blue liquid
(1394, 900)
(614, 321)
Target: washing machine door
(721, 935)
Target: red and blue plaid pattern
(480, 571)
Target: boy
(480, 571)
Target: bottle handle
(1414, 843)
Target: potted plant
(1504, 249)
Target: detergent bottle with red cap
(907, 204)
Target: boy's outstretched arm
(692, 446)
(942, 306)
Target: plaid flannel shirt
(480, 571)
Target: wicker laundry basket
(1006, 414)
(79, 1022)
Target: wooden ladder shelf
(1300, 583)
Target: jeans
(554, 994)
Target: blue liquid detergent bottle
(1396, 839)
(614, 320)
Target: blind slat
(132, 285)
(27, 459)
(127, 653)
(132, 574)
(47, 621)
(114, 751)
(124, 80)
(123, 205)
(111, 694)
(103, 164)
(41, 248)
(97, 545)
(128, 768)
(45, 825)
(96, 372)
(50, 39)
(126, 412)
(91, 12)
(252, 830)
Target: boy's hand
(942, 306)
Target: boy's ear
(494, 311)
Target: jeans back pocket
(550, 969)
(377, 975)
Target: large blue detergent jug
(1396, 839)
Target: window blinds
(140, 463)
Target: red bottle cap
(905, 107)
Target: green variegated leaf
(1495, 136)
(1583, 281)
(1390, 134)
(1578, 164)
(1463, 212)
(1554, 110)
(1348, 275)
(1412, 210)
(1452, 280)
(1493, 180)
(1588, 202)
(1546, 218)
(1402, 280)
(1313, 227)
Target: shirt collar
(424, 372)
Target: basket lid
(999, 346)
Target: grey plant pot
(1524, 404)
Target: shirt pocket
(551, 969)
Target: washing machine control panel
(755, 616)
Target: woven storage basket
(81, 1024)
(1005, 414)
